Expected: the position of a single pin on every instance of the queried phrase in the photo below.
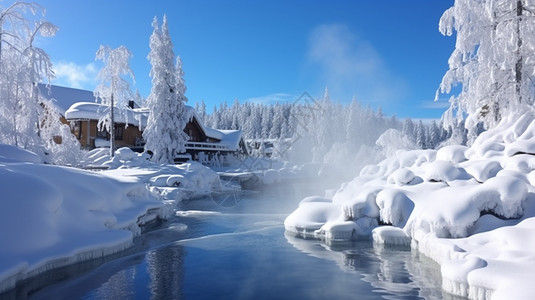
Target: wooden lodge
(83, 115)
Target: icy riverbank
(54, 216)
(470, 209)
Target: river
(240, 251)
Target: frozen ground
(470, 209)
(53, 216)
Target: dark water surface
(212, 252)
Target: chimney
(131, 104)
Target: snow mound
(70, 215)
(390, 236)
(10, 153)
(394, 206)
(441, 170)
(468, 208)
(401, 176)
(452, 153)
(169, 182)
(483, 170)
(311, 216)
(452, 212)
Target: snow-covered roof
(64, 97)
(93, 111)
(231, 138)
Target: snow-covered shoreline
(471, 209)
(53, 216)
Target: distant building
(78, 107)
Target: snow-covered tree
(25, 118)
(14, 25)
(36, 67)
(493, 60)
(353, 122)
(114, 90)
(434, 135)
(61, 145)
(421, 140)
(168, 116)
(267, 121)
(408, 129)
(201, 112)
(14, 28)
(278, 120)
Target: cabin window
(77, 129)
(103, 134)
(119, 130)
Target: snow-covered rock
(471, 209)
(401, 176)
(483, 170)
(441, 170)
(390, 236)
(452, 153)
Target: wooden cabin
(83, 116)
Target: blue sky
(385, 53)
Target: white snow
(95, 111)
(52, 216)
(471, 209)
(390, 236)
(169, 182)
(10, 153)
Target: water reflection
(115, 279)
(165, 270)
(394, 272)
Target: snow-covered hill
(470, 209)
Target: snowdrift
(53, 216)
(169, 182)
(470, 209)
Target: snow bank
(470, 209)
(170, 182)
(10, 153)
(53, 216)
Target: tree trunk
(112, 127)
(518, 65)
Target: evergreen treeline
(323, 122)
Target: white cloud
(272, 98)
(76, 76)
(351, 66)
(441, 103)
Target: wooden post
(112, 127)
(88, 134)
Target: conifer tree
(168, 116)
